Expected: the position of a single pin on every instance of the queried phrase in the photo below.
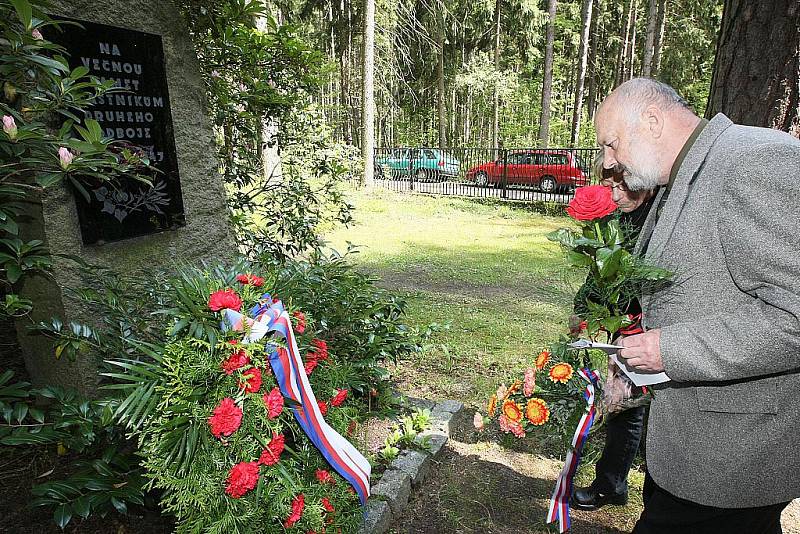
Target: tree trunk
(368, 99)
(622, 58)
(594, 42)
(496, 95)
(756, 78)
(440, 93)
(658, 41)
(586, 20)
(647, 61)
(547, 81)
(632, 48)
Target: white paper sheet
(640, 379)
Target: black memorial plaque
(139, 115)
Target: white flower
(65, 156)
(9, 126)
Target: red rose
(327, 505)
(251, 279)
(235, 361)
(226, 418)
(227, 299)
(311, 363)
(252, 382)
(591, 202)
(272, 454)
(298, 504)
(242, 478)
(321, 349)
(634, 328)
(274, 403)
(300, 322)
(339, 398)
(323, 407)
(324, 477)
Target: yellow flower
(492, 408)
(542, 359)
(561, 372)
(512, 410)
(537, 412)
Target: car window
(514, 159)
(558, 159)
(429, 154)
(414, 154)
(539, 159)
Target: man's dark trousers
(623, 433)
(666, 514)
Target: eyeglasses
(614, 185)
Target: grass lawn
(486, 272)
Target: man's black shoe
(590, 499)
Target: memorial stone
(144, 45)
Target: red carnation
(323, 407)
(250, 279)
(321, 349)
(272, 454)
(591, 202)
(325, 477)
(226, 418)
(298, 504)
(252, 382)
(235, 361)
(274, 403)
(311, 363)
(300, 322)
(242, 478)
(327, 505)
(339, 398)
(224, 300)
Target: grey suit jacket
(725, 431)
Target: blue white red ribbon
(271, 317)
(559, 502)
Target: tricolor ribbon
(559, 502)
(271, 317)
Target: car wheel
(547, 184)
(482, 179)
(421, 175)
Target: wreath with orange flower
(512, 410)
(542, 359)
(560, 372)
(537, 412)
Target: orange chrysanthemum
(513, 389)
(542, 359)
(537, 411)
(513, 411)
(492, 408)
(561, 372)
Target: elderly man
(721, 451)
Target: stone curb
(390, 495)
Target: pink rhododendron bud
(477, 421)
(65, 156)
(9, 126)
(36, 34)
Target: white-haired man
(721, 452)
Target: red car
(550, 170)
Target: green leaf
(119, 505)
(62, 515)
(24, 11)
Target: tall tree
(547, 81)
(658, 36)
(629, 69)
(756, 78)
(622, 58)
(586, 21)
(496, 93)
(647, 58)
(594, 44)
(368, 100)
(440, 96)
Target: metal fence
(526, 174)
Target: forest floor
(499, 290)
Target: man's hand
(642, 352)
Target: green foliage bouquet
(615, 275)
(215, 433)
